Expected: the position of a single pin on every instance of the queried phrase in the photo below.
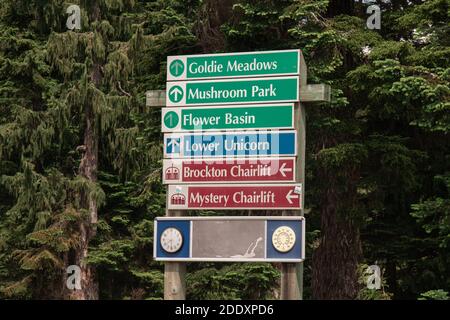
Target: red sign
(246, 197)
(234, 171)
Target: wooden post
(174, 272)
(292, 273)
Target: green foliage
(371, 294)
(434, 295)
(434, 214)
(237, 281)
(379, 150)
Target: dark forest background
(81, 154)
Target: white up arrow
(173, 142)
(177, 65)
(175, 92)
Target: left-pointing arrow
(283, 169)
(290, 196)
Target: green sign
(272, 116)
(235, 91)
(235, 65)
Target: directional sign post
(233, 91)
(233, 65)
(235, 197)
(181, 119)
(240, 170)
(212, 162)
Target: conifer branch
(123, 91)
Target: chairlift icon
(172, 173)
(178, 199)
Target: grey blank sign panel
(232, 239)
(228, 239)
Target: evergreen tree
(80, 153)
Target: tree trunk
(88, 227)
(88, 169)
(212, 16)
(335, 261)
